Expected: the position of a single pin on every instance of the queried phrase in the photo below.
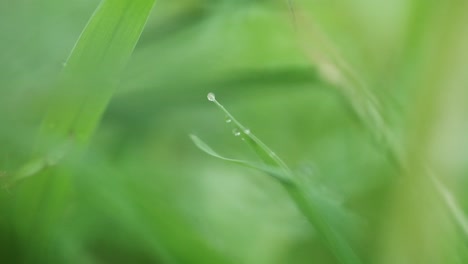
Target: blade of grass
(94, 66)
(366, 105)
(91, 74)
(437, 41)
(299, 192)
(75, 107)
(262, 150)
(272, 171)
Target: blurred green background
(362, 97)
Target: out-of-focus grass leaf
(74, 108)
(367, 106)
(91, 73)
(93, 69)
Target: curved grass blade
(272, 171)
(314, 209)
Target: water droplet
(228, 120)
(211, 97)
(247, 131)
(236, 132)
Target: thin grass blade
(301, 194)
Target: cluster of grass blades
(316, 209)
(43, 193)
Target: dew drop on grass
(228, 120)
(211, 97)
(236, 132)
(247, 131)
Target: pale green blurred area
(143, 193)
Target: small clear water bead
(247, 131)
(211, 97)
(236, 132)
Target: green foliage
(304, 196)
(364, 100)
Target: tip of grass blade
(261, 149)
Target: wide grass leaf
(93, 68)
